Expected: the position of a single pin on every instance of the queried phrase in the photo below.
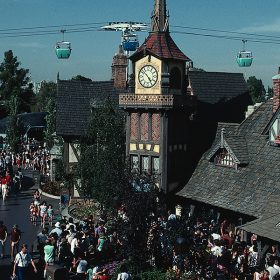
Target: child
(50, 213)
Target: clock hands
(147, 76)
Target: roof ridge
(249, 118)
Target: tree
(46, 92)
(81, 78)
(13, 133)
(50, 122)
(102, 163)
(256, 88)
(46, 102)
(14, 84)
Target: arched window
(175, 78)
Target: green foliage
(14, 85)
(51, 122)
(175, 275)
(256, 88)
(152, 275)
(46, 92)
(13, 133)
(46, 102)
(102, 163)
(197, 69)
(129, 264)
(81, 78)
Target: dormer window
(223, 158)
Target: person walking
(15, 238)
(3, 238)
(4, 184)
(22, 261)
(49, 255)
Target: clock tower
(158, 106)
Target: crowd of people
(216, 252)
(207, 248)
(31, 155)
(14, 236)
(83, 248)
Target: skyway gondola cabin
(63, 48)
(244, 58)
(130, 41)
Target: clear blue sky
(93, 51)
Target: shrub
(51, 187)
(152, 275)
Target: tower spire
(159, 17)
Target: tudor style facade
(158, 106)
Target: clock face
(148, 76)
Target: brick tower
(119, 69)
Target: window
(134, 162)
(224, 158)
(144, 163)
(155, 165)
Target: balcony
(154, 101)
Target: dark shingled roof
(162, 46)
(215, 87)
(27, 120)
(74, 102)
(268, 227)
(253, 189)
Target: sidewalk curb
(48, 195)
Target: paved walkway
(15, 210)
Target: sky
(92, 51)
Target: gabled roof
(215, 87)
(160, 45)
(74, 102)
(235, 145)
(253, 189)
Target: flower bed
(84, 209)
(51, 187)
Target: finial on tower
(159, 17)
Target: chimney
(119, 69)
(276, 91)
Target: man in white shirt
(57, 229)
(22, 260)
